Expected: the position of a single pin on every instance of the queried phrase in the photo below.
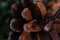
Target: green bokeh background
(4, 13)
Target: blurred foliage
(5, 13)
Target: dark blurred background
(5, 13)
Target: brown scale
(57, 25)
(14, 20)
(43, 11)
(43, 35)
